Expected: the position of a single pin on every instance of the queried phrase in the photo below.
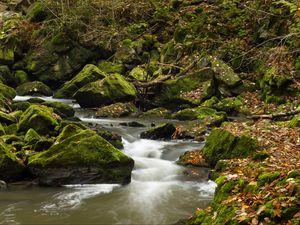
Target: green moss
(31, 137)
(229, 105)
(112, 138)
(40, 118)
(34, 88)
(20, 105)
(111, 67)
(11, 129)
(185, 114)
(21, 77)
(68, 131)
(293, 174)
(7, 55)
(157, 113)
(221, 144)
(267, 178)
(223, 191)
(89, 73)
(111, 89)
(252, 188)
(295, 122)
(261, 156)
(221, 166)
(6, 76)
(138, 73)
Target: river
(160, 192)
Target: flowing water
(160, 192)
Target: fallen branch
(273, 116)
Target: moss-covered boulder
(221, 144)
(7, 91)
(7, 118)
(106, 91)
(113, 138)
(224, 74)
(82, 157)
(88, 74)
(61, 109)
(111, 67)
(159, 112)
(57, 60)
(229, 105)
(116, 110)
(11, 168)
(40, 118)
(161, 131)
(20, 105)
(34, 88)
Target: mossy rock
(6, 76)
(229, 105)
(37, 12)
(43, 144)
(224, 74)
(162, 131)
(7, 118)
(11, 168)
(7, 91)
(40, 118)
(11, 129)
(57, 61)
(61, 109)
(109, 90)
(83, 157)
(116, 110)
(5, 103)
(21, 77)
(186, 114)
(159, 112)
(88, 74)
(111, 67)
(34, 88)
(68, 131)
(295, 122)
(221, 144)
(31, 137)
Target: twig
(273, 116)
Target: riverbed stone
(221, 144)
(116, 110)
(88, 74)
(109, 90)
(34, 88)
(41, 118)
(83, 157)
(192, 158)
(11, 168)
(161, 131)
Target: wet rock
(113, 138)
(162, 131)
(88, 74)
(221, 144)
(156, 113)
(116, 110)
(132, 124)
(192, 158)
(78, 158)
(111, 89)
(34, 88)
